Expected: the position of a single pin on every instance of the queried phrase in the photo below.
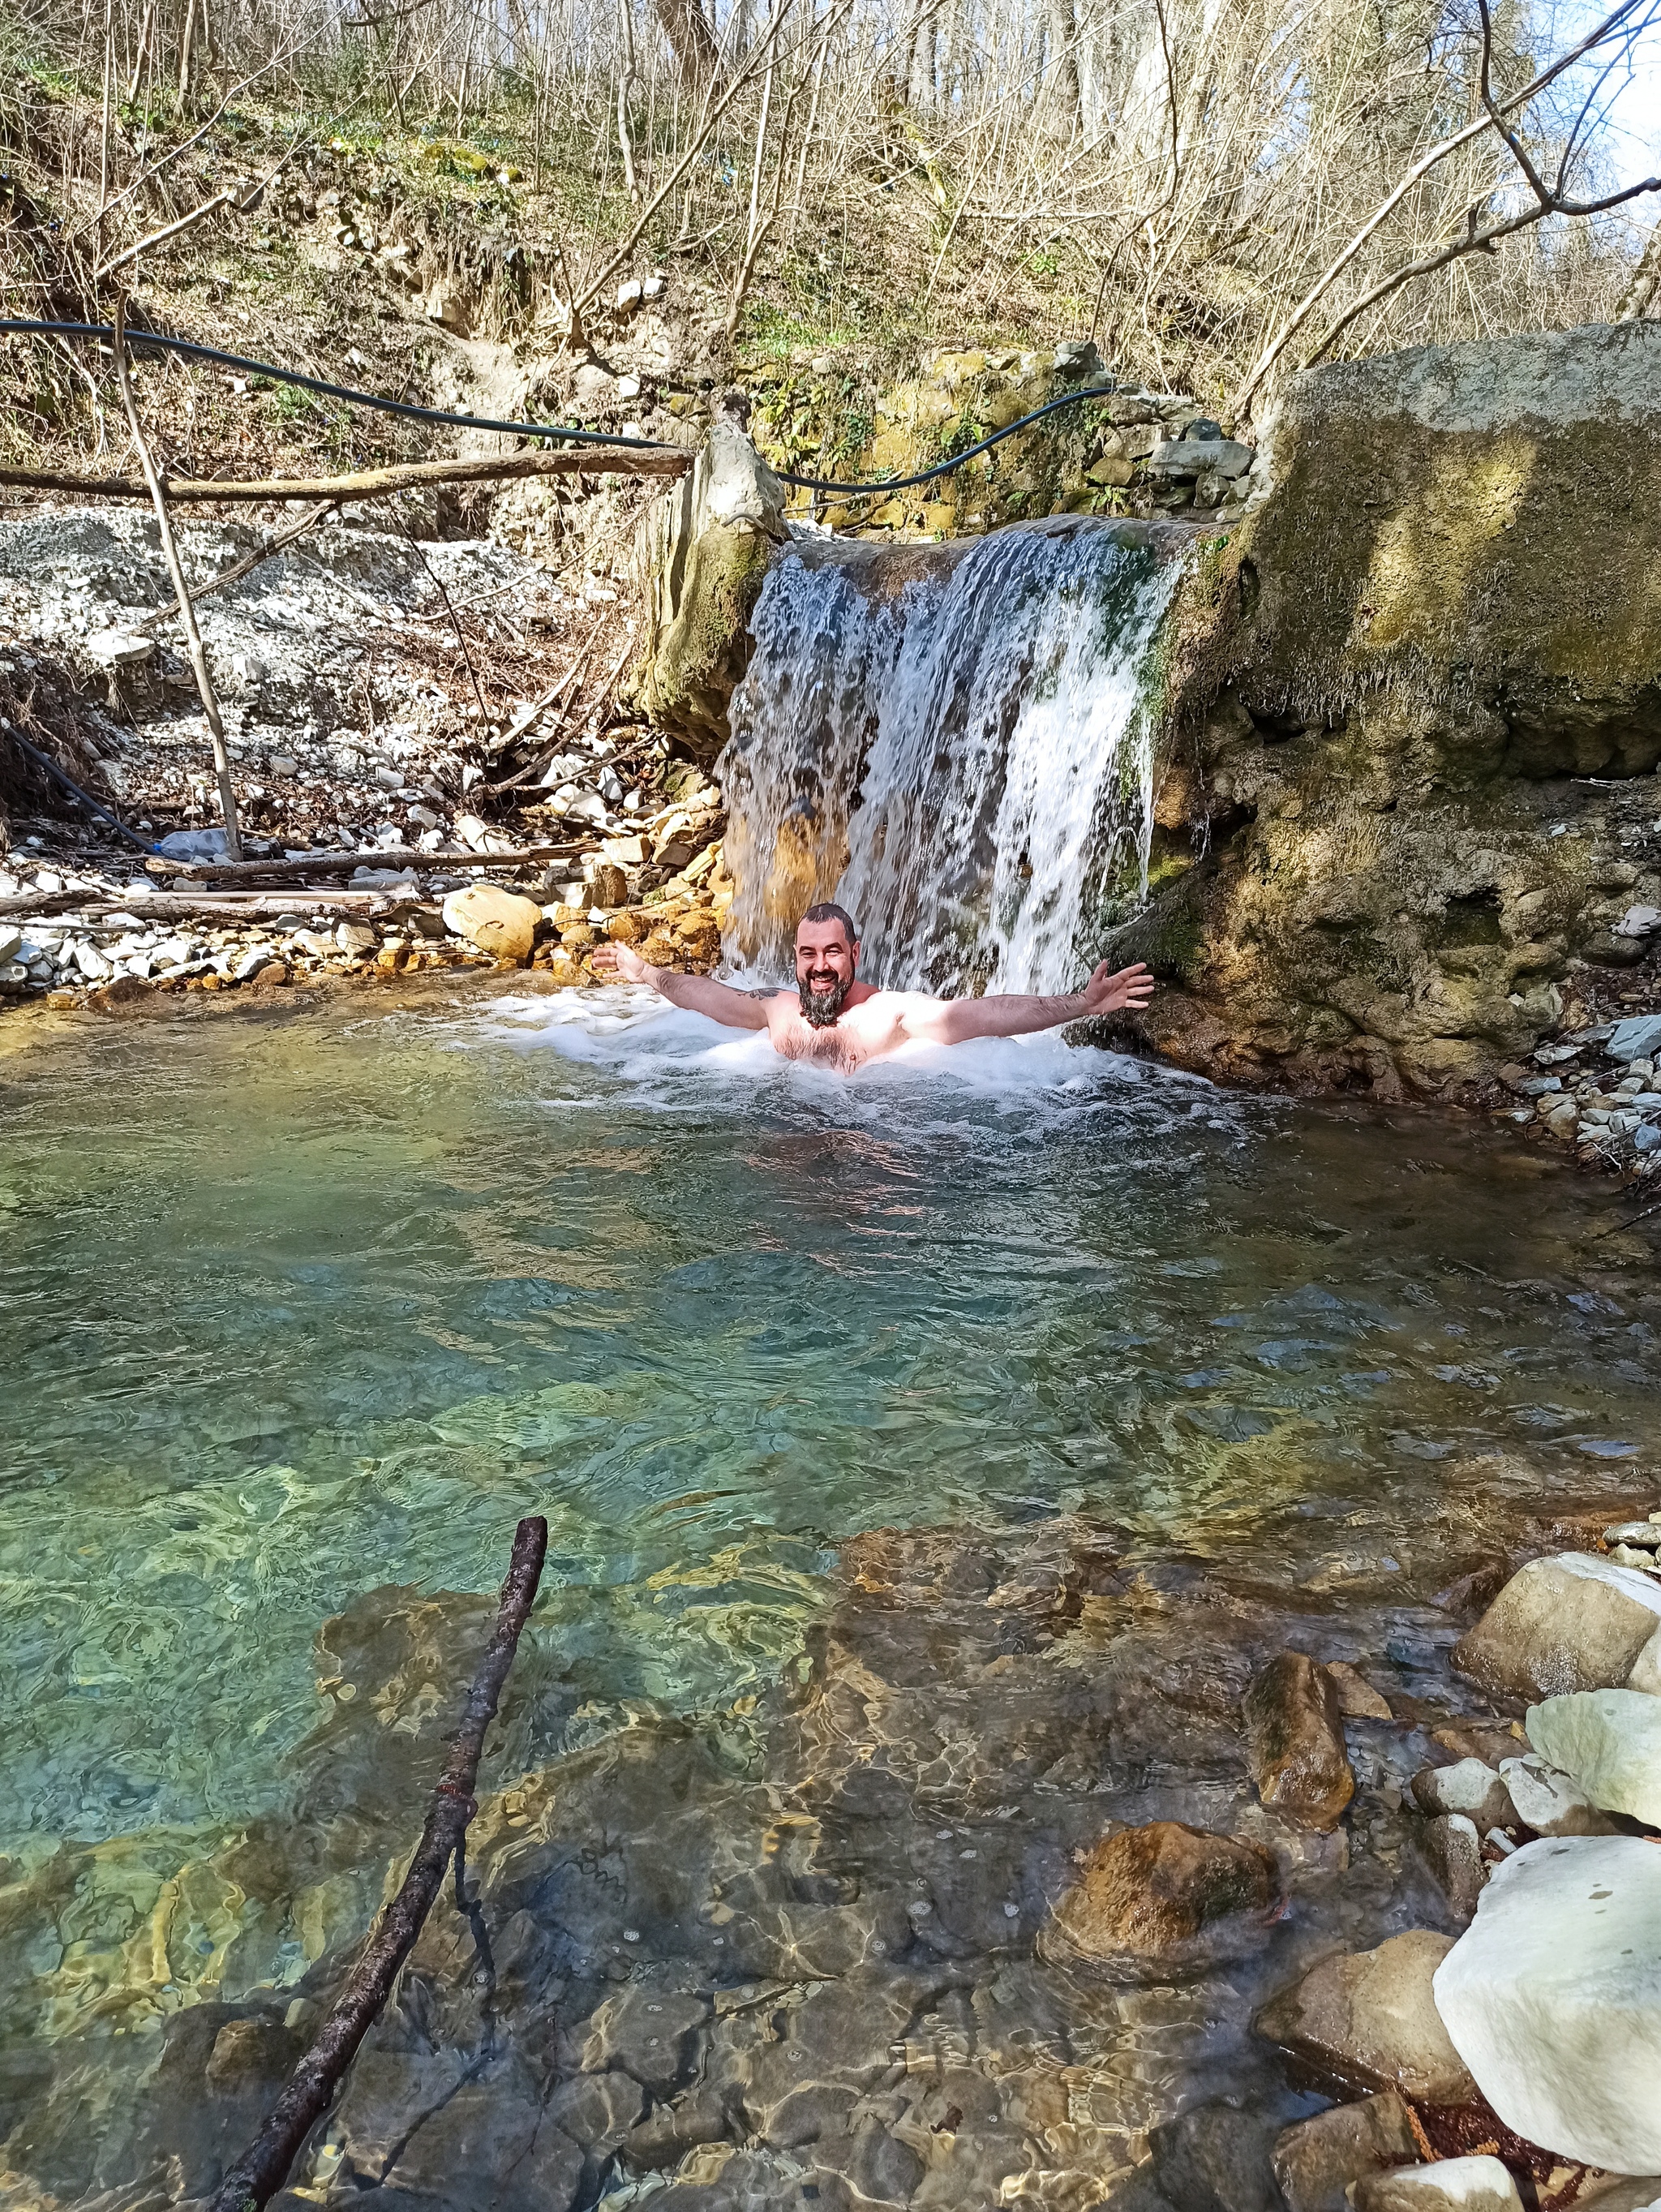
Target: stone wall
(1409, 820)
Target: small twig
(264, 2166)
(455, 619)
(168, 231)
(245, 567)
(204, 682)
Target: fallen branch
(341, 863)
(364, 483)
(42, 903)
(245, 567)
(264, 2166)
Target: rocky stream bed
(1056, 1872)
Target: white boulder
(1469, 1786)
(1449, 2185)
(1551, 1997)
(1609, 1742)
(1576, 1621)
(1552, 1802)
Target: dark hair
(828, 911)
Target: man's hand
(1107, 994)
(620, 960)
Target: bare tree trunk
(625, 88)
(754, 231)
(103, 131)
(145, 29)
(687, 28)
(1063, 62)
(920, 93)
(186, 43)
(204, 682)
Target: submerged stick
(264, 2166)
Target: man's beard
(823, 1008)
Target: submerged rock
(1158, 1900)
(1552, 1999)
(1608, 1743)
(1370, 2018)
(1450, 2184)
(1453, 1851)
(1357, 1698)
(1215, 2159)
(1296, 1743)
(1574, 1622)
(1317, 2161)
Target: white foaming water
(664, 1060)
(955, 742)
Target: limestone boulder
(1574, 1622)
(1157, 1900)
(1318, 2162)
(1295, 1734)
(494, 920)
(1552, 1999)
(702, 551)
(1449, 2185)
(1608, 1743)
(1370, 2018)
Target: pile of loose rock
(1600, 1089)
(80, 935)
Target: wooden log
(45, 903)
(234, 906)
(340, 864)
(264, 2166)
(364, 483)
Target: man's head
(827, 957)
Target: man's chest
(844, 1045)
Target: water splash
(956, 742)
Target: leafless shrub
(1216, 190)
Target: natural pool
(298, 1304)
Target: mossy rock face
(1474, 522)
(1391, 689)
(1081, 460)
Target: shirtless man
(835, 1019)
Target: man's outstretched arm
(701, 994)
(954, 1021)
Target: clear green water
(296, 1306)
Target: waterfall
(955, 741)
